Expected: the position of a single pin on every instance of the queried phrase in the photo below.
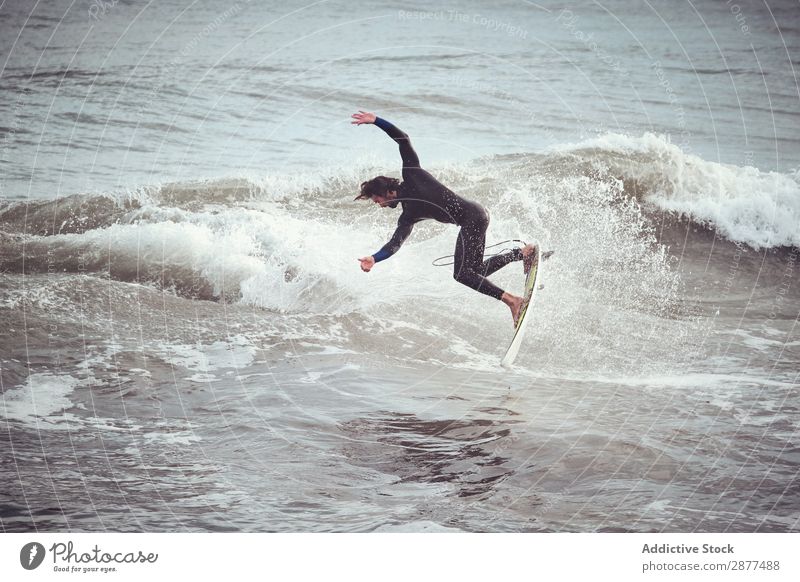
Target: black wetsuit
(422, 196)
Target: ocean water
(187, 342)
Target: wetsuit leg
(468, 268)
(497, 262)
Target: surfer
(422, 197)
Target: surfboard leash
(438, 262)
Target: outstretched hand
(367, 263)
(362, 117)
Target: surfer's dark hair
(378, 186)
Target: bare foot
(514, 304)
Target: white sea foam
(42, 400)
(203, 359)
(745, 204)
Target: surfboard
(531, 286)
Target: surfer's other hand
(367, 263)
(362, 117)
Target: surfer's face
(388, 200)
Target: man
(423, 197)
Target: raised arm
(407, 153)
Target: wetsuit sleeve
(404, 228)
(410, 158)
